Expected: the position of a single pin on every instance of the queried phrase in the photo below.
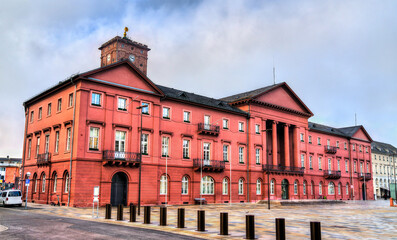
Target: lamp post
(268, 176)
(140, 165)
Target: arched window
(163, 184)
(225, 186)
(258, 186)
(55, 177)
(185, 185)
(376, 182)
(207, 185)
(35, 182)
(241, 186)
(331, 188)
(339, 188)
(312, 187)
(347, 189)
(66, 179)
(43, 182)
(320, 188)
(304, 187)
(272, 187)
(296, 187)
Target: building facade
(105, 126)
(9, 172)
(384, 158)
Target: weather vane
(125, 31)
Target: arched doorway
(364, 191)
(285, 189)
(119, 189)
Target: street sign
(27, 181)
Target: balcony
(208, 129)
(364, 176)
(330, 149)
(43, 159)
(282, 169)
(116, 158)
(331, 174)
(208, 165)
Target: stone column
(296, 146)
(274, 142)
(286, 145)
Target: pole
(201, 173)
(230, 181)
(166, 175)
(27, 192)
(395, 181)
(268, 187)
(140, 167)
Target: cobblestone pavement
(353, 220)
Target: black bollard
(146, 218)
(108, 211)
(249, 227)
(224, 221)
(280, 229)
(132, 213)
(201, 220)
(181, 218)
(120, 208)
(163, 216)
(315, 230)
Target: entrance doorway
(284, 189)
(119, 189)
(364, 188)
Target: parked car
(11, 197)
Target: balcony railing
(283, 169)
(208, 165)
(44, 158)
(117, 158)
(332, 174)
(330, 149)
(208, 129)
(362, 176)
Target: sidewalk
(353, 220)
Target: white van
(11, 197)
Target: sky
(340, 57)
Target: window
(43, 183)
(355, 166)
(56, 142)
(337, 144)
(320, 188)
(59, 106)
(206, 153)
(31, 116)
(225, 187)
(122, 104)
(163, 185)
(339, 188)
(329, 164)
(207, 122)
(68, 135)
(345, 145)
(272, 187)
(55, 182)
(119, 144)
(241, 127)
(37, 146)
(66, 182)
(258, 156)
(296, 187)
(304, 187)
(35, 183)
(319, 163)
(310, 139)
(368, 167)
(47, 143)
(108, 58)
(185, 185)
(338, 165)
(96, 99)
(207, 185)
(258, 187)
(40, 113)
(319, 141)
(225, 124)
(29, 147)
(361, 148)
(165, 146)
(186, 117)
(226, 153)
(49, 109)
(166, 112)
(328, 142)
(185, 148)
(346, 166)
(361, 167)
(366, 149)
(303, 160)
(241, 154)
(311, 162)
(94, 138)
(70, 102)
(302, 137)
(354, 148)
(331, 188)
(257, 129)
(347, 189)
(145, 143)
(145, 108)
(240, 186)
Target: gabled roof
(347, 132)
(249, 94)
(383, 148)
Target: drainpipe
(351, 169)
(248, 162)
(72, 144)
(24, 147)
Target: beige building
(384, 157)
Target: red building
(85, 132)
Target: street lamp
(140, 165)
(268, 177)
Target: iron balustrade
(208, 128)
(330, 149)
(121, 156)
(44, 158)
(208, 165)
(362, 176)
(282, 169)
(332, 174)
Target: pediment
(362, 134)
